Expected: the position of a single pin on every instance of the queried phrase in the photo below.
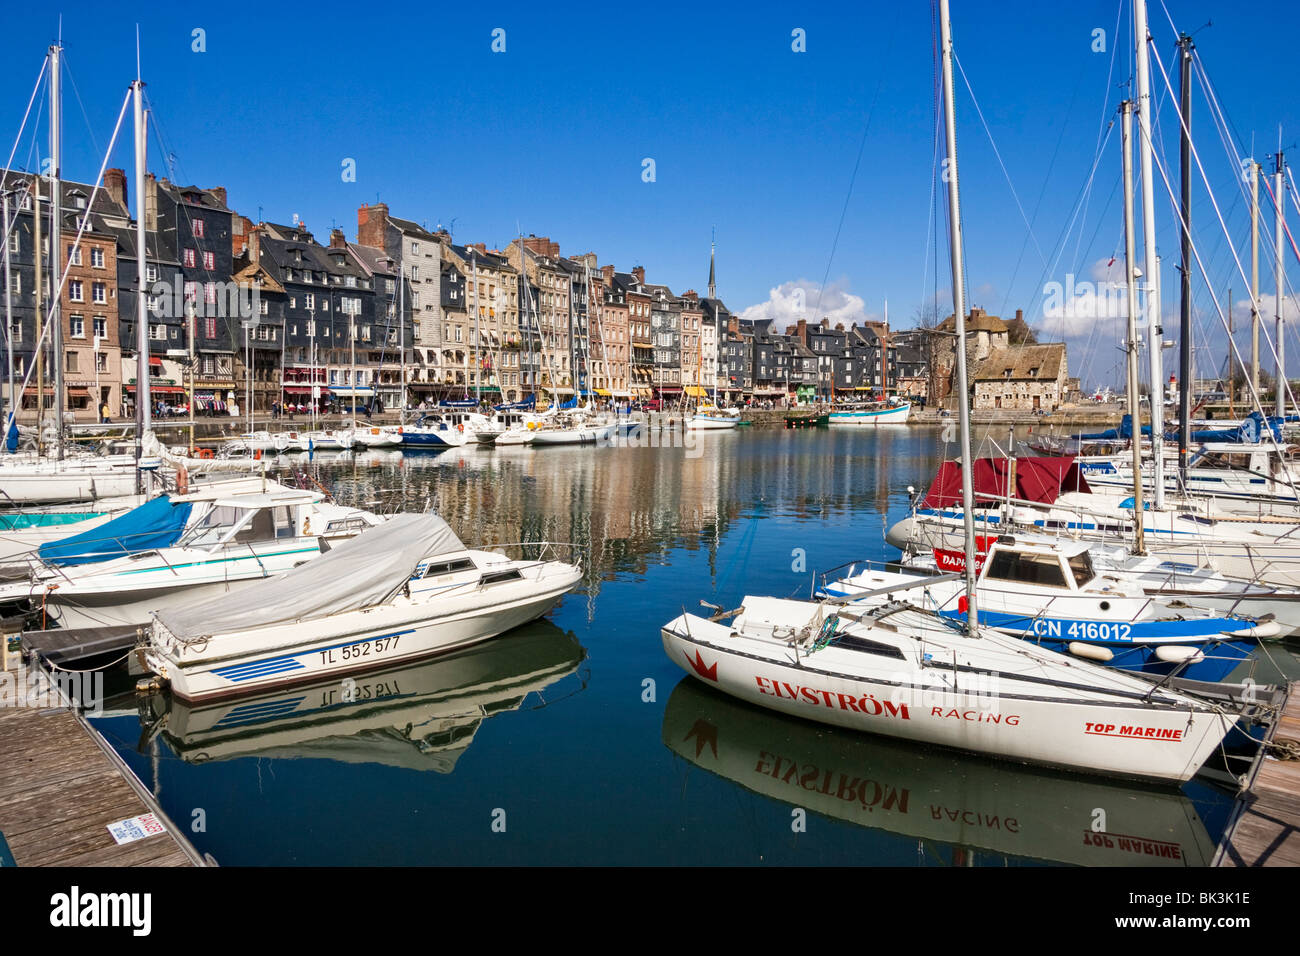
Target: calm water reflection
(582, 737)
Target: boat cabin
(1067, 568)
(251, 518)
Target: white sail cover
(354, 574)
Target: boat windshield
(1081, 567)
(1026, 568)
(212, 527)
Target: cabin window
(496, 577)
(1042, 569)
(448, 567)
(283, 519)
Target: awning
(155, 360)
(346, 391)
(297, 390)
(161, 389)
(670, 389)
(604, 393)
(694, 391)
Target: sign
(955, 561)
(136, 828)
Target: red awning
(161, 389)
(1040, 480)
(155, 360)
(297, 390)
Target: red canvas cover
(1040, 480)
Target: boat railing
(547, 550)
(866, 564)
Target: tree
(1020, 332)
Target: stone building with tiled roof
(1023, 378)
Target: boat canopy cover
(464, 403)
(358, 573)
(529, 402)
(1040, 480)
(155, 524)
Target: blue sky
(746, 135)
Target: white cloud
(1078, 306)
(1267, 311)
(791, 301)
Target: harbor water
(576, 740)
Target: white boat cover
(357, 573)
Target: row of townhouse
(240, 310)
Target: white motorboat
(327, 439)
(376, 436)
(905, 673)
(83, 478)
(177, 549)
(405, 590)
(433, 432)
(574, 428)
(709, 417)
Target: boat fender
(257, 454)
(182, 481)
(207, 453)
(1261, 629)
(460, 427)
(1091, 652)
(1175, 654)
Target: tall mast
(1279, 278)
(142, 411)
(1131, 339)
(1151, 262)
(57, 255)
(401, 323)
(959, 317)
(39, 313)
(11, 405)
(1185, 285)
(1254, 278)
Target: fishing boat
(177, 549)
(402, 591)
(871, 413)
(796, 420)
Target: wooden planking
(1266, 829)
(60, 788)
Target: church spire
(713, 289)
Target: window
(158, 333)
(74, 290)
(350, 282)
(210, 293)
(264, 307)
(415, 249)
(1043, 569)
(197, 225)
(191, 292)
(77, 326)
(97, 257)
(99, 292)
(74, 255)
(16, 280)
(210, 329)
(209, 261)
(101, 327)
(151, 273)
(188, 259)
(16, 335)
(309, 301)
(72, 361)
(101, 361)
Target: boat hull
(883, 416)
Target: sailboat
(902, 672)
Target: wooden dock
(1265, 829)
(61, 785)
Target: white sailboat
(905, 673)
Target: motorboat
(177, 549)
(433, 431)
(404, 590)
(709, 417)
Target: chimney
(239, 230)
(337, 239)
(115, 186)
(826, 323)
(1020, 315)
(220, 193)
(150, 202)
(372, 224)
(255, 244)
(639, 273)
(607, 273)
(802, 331)
(839, 326)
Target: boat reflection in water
(931, 794)
(422, 716)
